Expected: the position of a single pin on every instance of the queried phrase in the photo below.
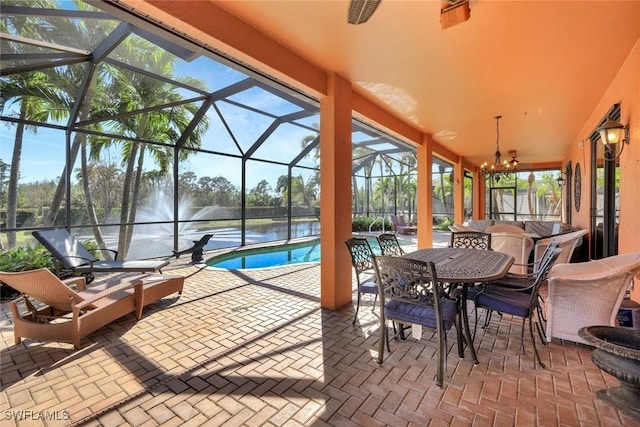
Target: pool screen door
(502, 203)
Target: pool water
(273, 256)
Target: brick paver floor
(254, 347)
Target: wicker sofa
(540, 228)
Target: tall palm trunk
(126, 201)
(356, 197)
(78, 140)
(530, 180)
(135, 196)
(88, 198)
(442, 193)
(14, 176)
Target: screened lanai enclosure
(141, 141)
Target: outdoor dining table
(468, 267)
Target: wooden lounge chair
(400, 226)
(56, 312)
(75, 258)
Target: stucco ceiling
(542, 65)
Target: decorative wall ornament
(577, 187)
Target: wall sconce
(611, 133)
(560, 181)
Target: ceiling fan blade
(361, 10)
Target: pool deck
(254, 347)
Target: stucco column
(458, 192)
(425, 193)
(335, 197)
(478, 196)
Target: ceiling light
(500, 168)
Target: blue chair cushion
(405, 312)
(369, 288)
(505, 301)
(515, 282)
(473, 291)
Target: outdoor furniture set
(431, 287)
(67, 310)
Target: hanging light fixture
(500, 168)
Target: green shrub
(92, 246)
(362, 223)
(24, 258)
(444, 224)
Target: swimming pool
(274, 256)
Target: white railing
(376, 220)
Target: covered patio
(277, 346)
(254, 347)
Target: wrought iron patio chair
(412, 294)
(389, 245)
(519, 302)
(470, 239)
(524, 281)
(362, 261)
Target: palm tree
(39, 101)
(530, 194)
(131, 91)
(53, 90)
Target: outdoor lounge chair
(400, 226)
(196, 250)
(56, 312)
(75, 258)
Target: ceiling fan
(458, 11)
(361, 10)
